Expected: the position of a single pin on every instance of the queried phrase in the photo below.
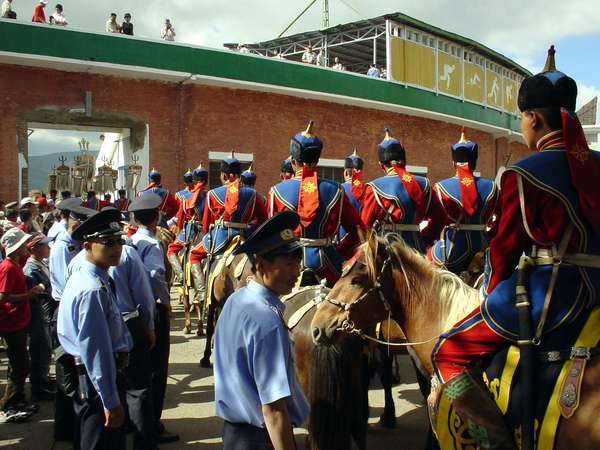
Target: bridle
(348, 326)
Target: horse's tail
(337, 394)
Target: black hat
(188, 177)
(248, 177)
(200, 174)
(390, 149)
(145, 202)
(286, 166)
(306, 147)
(548, 89)
(354, 161)
(231, 165)
(102, 224)
(274, 237)
(465, 151)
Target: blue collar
(263, 292)
(94, 270)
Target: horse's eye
(356, 281)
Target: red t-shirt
(13, 316)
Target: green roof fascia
(84, 46)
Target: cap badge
(287, 234)
(309, 187)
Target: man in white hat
(15, 314)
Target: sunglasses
(111, 242)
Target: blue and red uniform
(547, 199)
(169, 205)
(468, 202)
(189, 216)
(353, 186)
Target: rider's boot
(176, 265)
(475, 406)
(199, 287)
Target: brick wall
(188, 121)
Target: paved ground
(189, 407)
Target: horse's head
(360, 297)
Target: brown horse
(339, 407)
(427, 302)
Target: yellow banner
(474, 83)
(494, 86)
(449, 74)
(420, 65)
(511, 90)
(397, 72)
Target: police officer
(257, 391)
(92, 331)
(62, 252)
(135, 302)
(146, 214)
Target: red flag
(413, 188)
(232, 196)
(468, 188)
(358, 188)
(308, 197)
(585, 172)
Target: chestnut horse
(339, 404)
(426, 302)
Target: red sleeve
(351, 222)
(172, 206)
(436, 219)
(207, 217)
(260, 210)
(180, 216)
(7, 280)
(275, 206)
(371, 210)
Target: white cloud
(43, 142)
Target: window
(331, 173)
(417, 170)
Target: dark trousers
(138, 376)
(90, 432)
(18, 367)
(160, 359)
(40, 344)
(64, 415)
(242, 436)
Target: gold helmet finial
(309, 127)
(463, 138)
(550, 65)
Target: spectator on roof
(168, 32)
(38, 12)
(111, 24)
(127, 26)
(373, 71)
(321, 59)
(58, 18)
(337, 64)
(309, 56)
(6, 12)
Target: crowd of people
(58, 18)
(102, 301)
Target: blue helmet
(231, 165)
(354, 161)
(248, 177)
(306, 147)
(188, 177)
(465, 151)
(154, 175)
(200, 174)
(390, 149)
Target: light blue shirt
(373, 72)
(62, 252)
(152, 256)
(131, 282)
(91, 327)
(56, 229)
(254, 359)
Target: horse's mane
(435, 292)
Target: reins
(348, 325)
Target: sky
(520, 30)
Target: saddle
(558, 377)
(220, 261)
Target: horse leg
(198, 309)
(388, 418)
(360, 419)
(210, 329)
(185, 297)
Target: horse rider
(229, 211)
(286, 171)
(400, 201)
(92, 331)
(549, 209)
(322, 206)
(257, 391)
(189, 217)
(122, 203)
(146, 213)
(353, 184)
(135, 302)
(188, 180)
(248, 179)
(169, 205)
(469, 202)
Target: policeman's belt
(236, 225)
(322, 242)
(468, 227)
(392, 227)
(131, 315)
(547, 256)
(121, 360)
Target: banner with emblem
(474, 81)
(449, 74)
(494, 86)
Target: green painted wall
(64, 43)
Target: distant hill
(41, 166)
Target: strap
(570, 353)
(323, 242)
(546, 257)
(560, 253)
(401, 227)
